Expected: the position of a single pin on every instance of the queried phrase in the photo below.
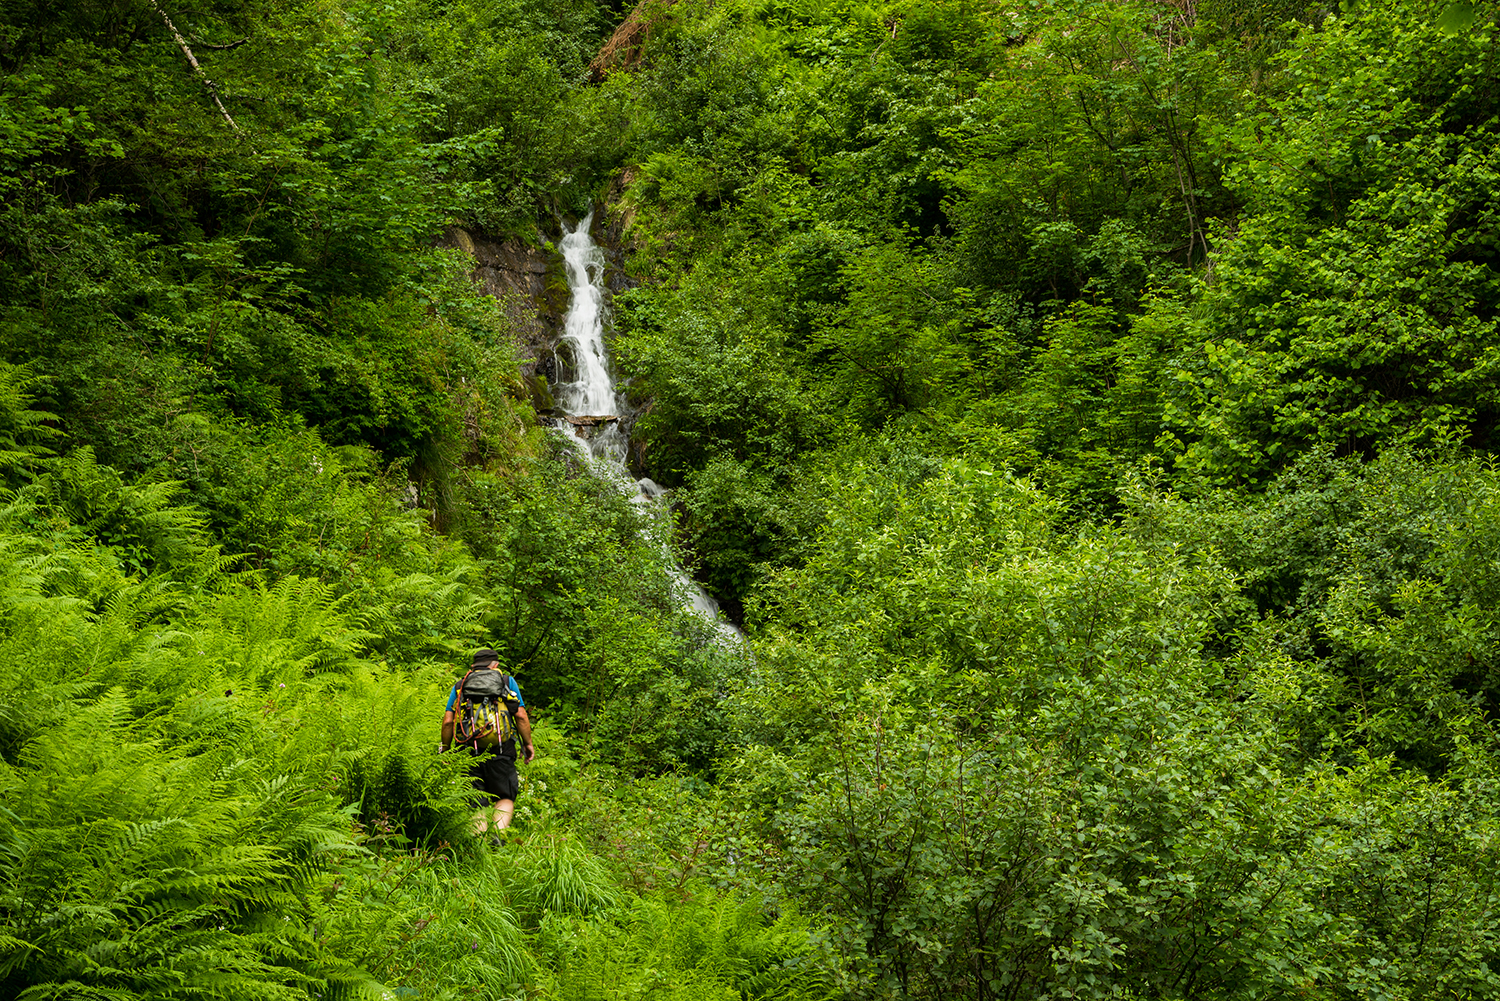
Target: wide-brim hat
(485, 656)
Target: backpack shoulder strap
(509, 692)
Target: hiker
(486, 714)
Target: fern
(141, 522)
(296, 623)
(187, 755)
(424, 616)
(702, 947)
(372, 734)
(22, 428)
(428, 924)
(131, 869)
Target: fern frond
(23, 428)
(75, 991)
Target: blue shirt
(514, 690)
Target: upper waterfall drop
(591, 394)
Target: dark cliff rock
(527, 280)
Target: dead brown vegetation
(627, 46)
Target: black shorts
(496, 777)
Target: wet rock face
(526, 280)
(529, 281)
(611, 231)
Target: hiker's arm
(447, 730)
(523, 727)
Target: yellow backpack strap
(458, 709)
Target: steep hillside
(1086, 410)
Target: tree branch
(193, 62)
(219, 48)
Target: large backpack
(483, 710)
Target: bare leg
(495, 817)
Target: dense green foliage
(1087, 410)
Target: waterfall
(590, 401)
(591, 394)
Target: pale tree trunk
(193, 62)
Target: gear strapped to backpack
(484, 710)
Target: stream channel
(591, 409)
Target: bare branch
(219, 48)
(193, 62)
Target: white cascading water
(591, 394)
(592, 391)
